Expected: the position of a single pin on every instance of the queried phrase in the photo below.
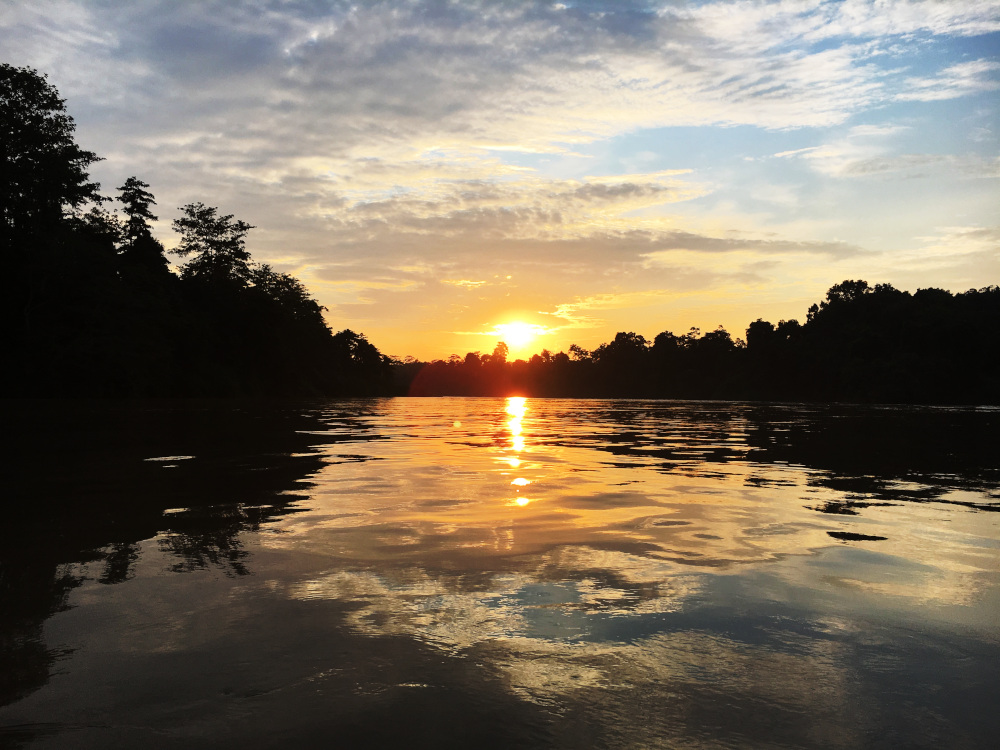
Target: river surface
(499, 573)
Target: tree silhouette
(862, 343)
(42, 169)
(500, 352)
(139, 249)
(361, 369)
(136, 201)
(622, 365)
(846, 291)
(90, 306)
(218, 244)
(289, 295)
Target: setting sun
(518, 335)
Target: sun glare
(518, 335)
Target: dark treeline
(862, 343)
(91, 307)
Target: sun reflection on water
(668, 485)
(666, 565)
(575, 547)
(516, 407)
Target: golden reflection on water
(516, 407)
(463, 499)
(432, 537)
(628, 564)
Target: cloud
(963, 241)
(952, 82)
(412, 155)
(339, 79)
(866, 150)
(957, 258)
(513, 208)
(795, 152)
(364, 100)
(757, 26)
(572, 313)
(464, 283)
(672, 241)
(924, 165)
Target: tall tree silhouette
(42, 169)
(218, 244)
(500, 352)
(136, 201)
(139, 249)
(90, 307)
(58, 276)
(360, 367)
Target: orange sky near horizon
(675, 314)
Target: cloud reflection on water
(612, 568)
(670, 579)
(457, 493)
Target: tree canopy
(42, 169)
(91, 307)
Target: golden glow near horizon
(518, 335)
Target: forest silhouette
(91, 307)
(860, 344)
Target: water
(500, 573)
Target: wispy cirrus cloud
(869, 151)
(954, 81)
(347, 79)
(464, 283)
(573, 315)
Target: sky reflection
(631, 574)
(595, 517)
(600, 480)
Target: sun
(516, 334)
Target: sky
(433, 171)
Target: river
(499, 573)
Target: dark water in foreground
(490, 573)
